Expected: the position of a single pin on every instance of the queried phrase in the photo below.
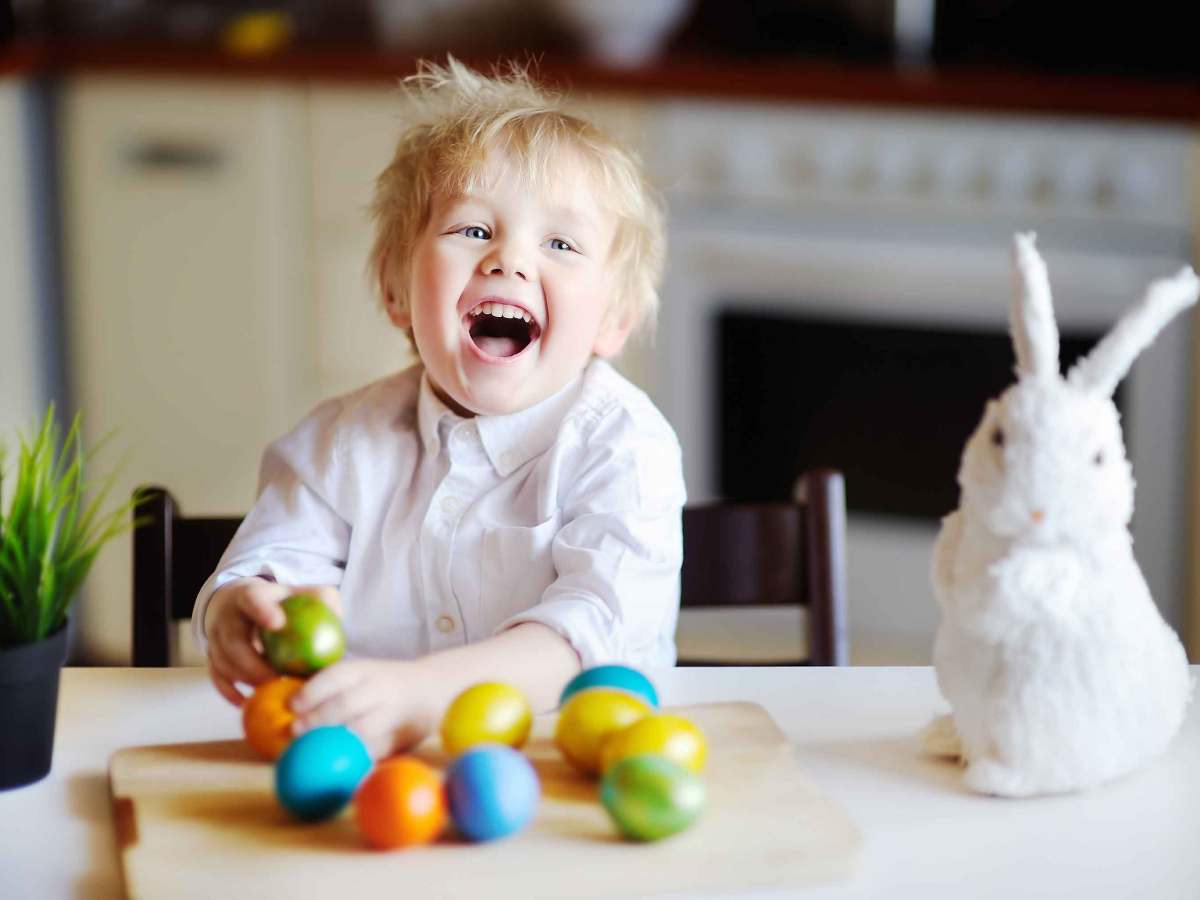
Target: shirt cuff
(593, 635)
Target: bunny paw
(987, 776)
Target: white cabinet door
(190, 318)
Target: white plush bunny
(1059, 669)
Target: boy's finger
(262, 608)
(239, 661)
(225, 686)
(337, 710)
(322, 687)
(326, 593)
(249, 666)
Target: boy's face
(511, 290)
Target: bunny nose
(1037, 515)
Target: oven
(837, 294)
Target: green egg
(651, 797)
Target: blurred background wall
(183, 236)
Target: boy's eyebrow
(567, 214)
(571, 216)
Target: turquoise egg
(612, 676)
(492, 791)
(319, 771)
(651, 797)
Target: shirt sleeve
(618, 553)
(294, 533)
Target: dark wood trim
(967, 88)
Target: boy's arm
(619, 551)
(529, 656)
(394, 704)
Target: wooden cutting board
(201, 820)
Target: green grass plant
(52, 531)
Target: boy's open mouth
(501, 329)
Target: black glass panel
(891, 407)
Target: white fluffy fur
(1059, 669)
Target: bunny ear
(1109, 360)
(1034, 332)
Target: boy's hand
(385, 702)
(232, 619)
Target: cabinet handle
(167, 155)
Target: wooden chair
(173, 555)
(772, 554)
(734, 555)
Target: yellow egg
(661, 734)
(487, 713)
(588, 718)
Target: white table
(924, 835)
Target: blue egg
(611, 676)
(492, 791)
(319, 771)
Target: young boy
(510, 507)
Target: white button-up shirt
(440, 530)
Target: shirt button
(451, 505)
(445, 624)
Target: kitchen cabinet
(190, 311)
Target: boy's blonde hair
(461, 115)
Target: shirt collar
(512, 440)
(509, 440)
(430, 412)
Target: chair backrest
(173, 556)
(770, 554)
(734, 555)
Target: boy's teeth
(501, 311)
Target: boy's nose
(506, 263)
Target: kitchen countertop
(855, 735)
(806, 81)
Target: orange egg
(401, 803)
(266, 717)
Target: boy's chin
(498, 400)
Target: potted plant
(50, 533)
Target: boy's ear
(397, 310)
(613, 334)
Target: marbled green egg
(651, 797)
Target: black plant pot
(28, 707)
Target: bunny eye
(1098, 459)
(998, 437)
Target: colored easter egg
(651, 797)
(588, 718)
(613, 676)
(401, 803)
(492, 791)
(319, 771)
(662, 734)
(311, 639)
(266, 717)
(487, 713)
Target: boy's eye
(478, 232)
(559, 244)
